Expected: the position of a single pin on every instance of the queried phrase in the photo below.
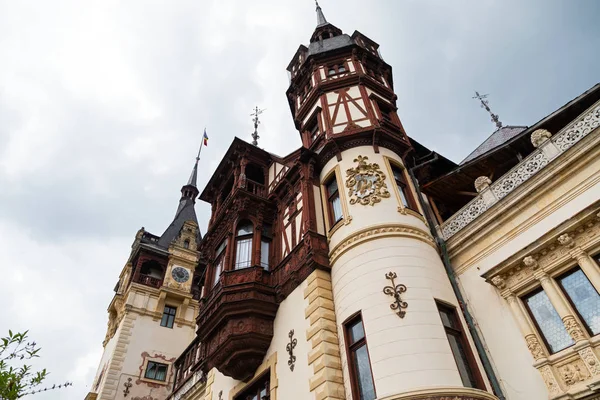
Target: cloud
(103, 104)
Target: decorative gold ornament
(366, 183)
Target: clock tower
(151, 318)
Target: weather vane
(485, 104)
(256, 121)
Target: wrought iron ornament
(395, 291)
(290, 349)
(127, 385)
(220, 395)
(256, 121)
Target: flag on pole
(205, 138)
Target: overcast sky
(103, 104)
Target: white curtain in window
(243, 253)
(336, 204)
(161, 373)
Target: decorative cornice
(559, 246)
(379, 231)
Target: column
(561, 307)
(533, 344)
(588, 266)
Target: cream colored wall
(409, 353)
(291, 384)
(106, 356)
(561, 190)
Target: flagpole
(201, 146)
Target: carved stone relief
(540, 136)
(534, 347)
(591, 361)
(573, 373)
(366, 183)
(550, 380)
(573, 328)
(482, 183)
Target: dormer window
(243, 245)
(186, 244)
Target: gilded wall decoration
(366, 183)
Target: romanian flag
(205, 138)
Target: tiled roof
(496, 139)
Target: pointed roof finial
(485, 104)
(256, 121)
(320, 16)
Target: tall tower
(151, 318)
(343, 103)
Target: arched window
(243, 245)
(186, 244)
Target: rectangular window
(219, 262)
(168, 317)
(403, 188)
(467, 368)
(361, 378)
(548, 321)
(584, 298)
(243, 253)
(257, 391)
(156, 371)
(334, 201)
(264, 253)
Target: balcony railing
(149, 281)
(520, 173)
(255, 188)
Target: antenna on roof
(256, 121)
(485, 104)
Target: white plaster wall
(292, 384)
(406, 354)
(385, 212)
(409, 353)
(108, 353)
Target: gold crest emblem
(366, 183)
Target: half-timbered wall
(347, 108)
(292, 223)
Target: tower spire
(256, 121)
(194, 175)
(320, 16)
(485, 104)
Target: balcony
(149, 281)
(255, 188)
(235, 321)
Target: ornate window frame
(575, 369)
(346, 217)
(389, 163)
(157, 358)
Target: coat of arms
(366, 183)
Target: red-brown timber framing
(235, 321)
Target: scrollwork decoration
(366, 183)
(290, 349)
(127, 385)
(395, 291)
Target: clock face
(180, 274)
